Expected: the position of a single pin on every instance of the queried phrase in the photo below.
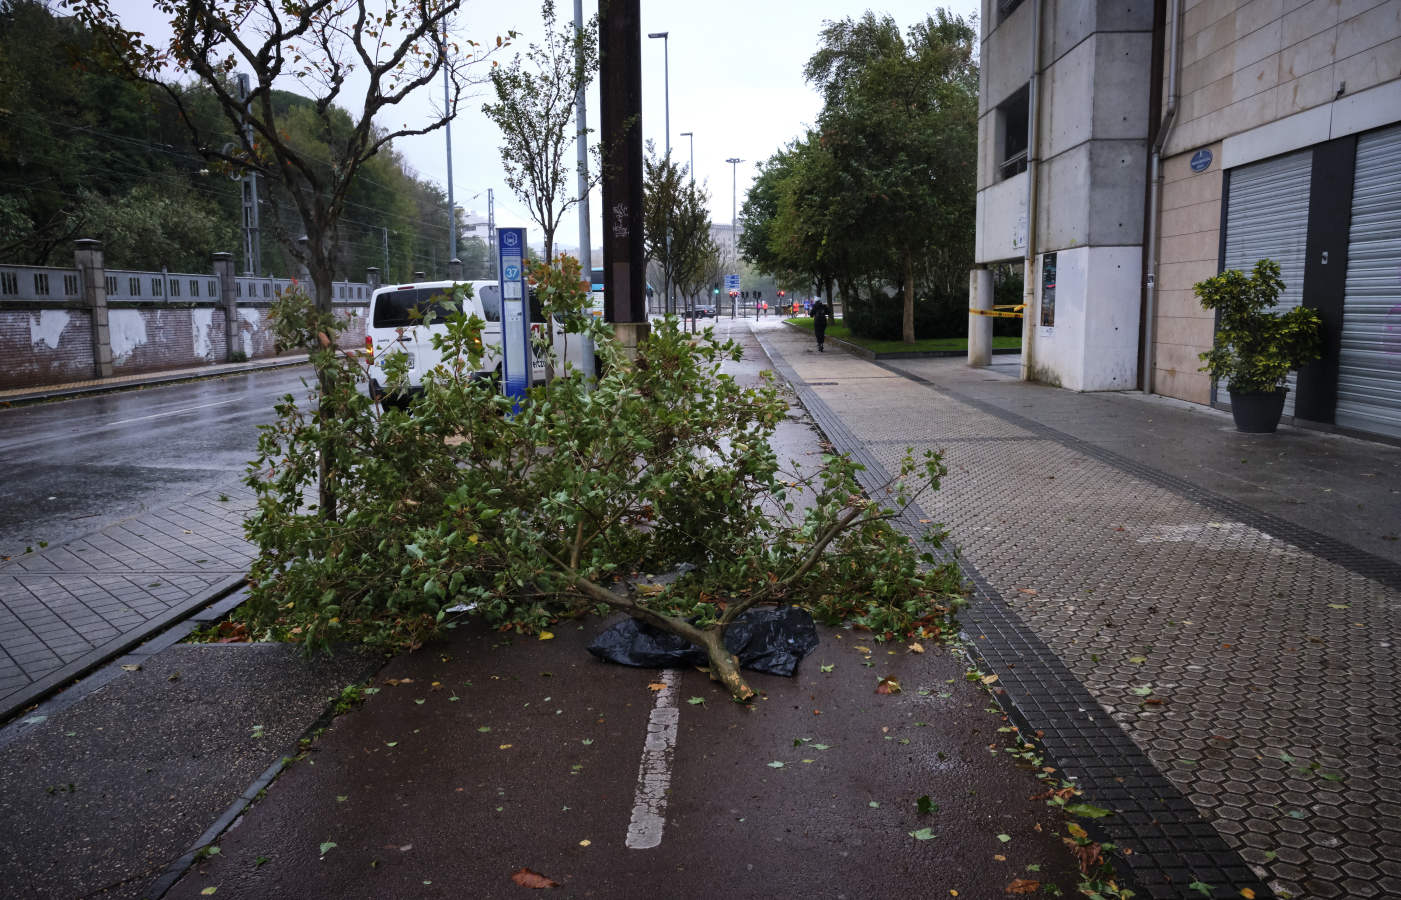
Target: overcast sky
(735, 81)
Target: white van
(395, 324)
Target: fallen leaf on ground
(547, 635)
(888, 685)
(504, 747)
(528, 879)
(131, 668)
(395, 682)
(989, 679)
(916, 648)
(1023, 886)
(585, 842)
(656, 686)
(1032, 591)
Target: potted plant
(1256, 349)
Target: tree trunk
(724, 665)
(907, 328)
(321, 280)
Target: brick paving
(1221, 676)
(65, 609)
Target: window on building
(1005, 9)
(1012, 122)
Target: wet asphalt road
(486, 754)
(75, 465)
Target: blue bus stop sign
(515, 312)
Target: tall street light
(734, 162)
(666, 83)
(692, 136)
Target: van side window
(395, 309)
(490, 295)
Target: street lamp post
(692, 136)
(734, 162)
(666, 83)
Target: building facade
(1128, 151)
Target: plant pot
(1257, 412)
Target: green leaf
(1143, 690)
(391, 743)
(696, 701)
(257, 731)
(586, 741)
(209, 891)
(327, 846)
(923, 834)
(925, 805)
(1088, 811)
(775, 765)
(1202, 888)
(873, 805)
(1004, 838)
(484, 729)
(828, 668)
(341, 798)
(822, 746)
(1138, 660)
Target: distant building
(726, 238)
(1274, 127)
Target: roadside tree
(676, 225)
(535, 110)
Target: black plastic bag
(766, 639)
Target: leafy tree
(676, 225)
(882, 192)
(538, 515)
(535, 111)
(392, 49)
(900, 116)
(160, 226)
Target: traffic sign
(731, 282)
(515, 313)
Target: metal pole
(386, 254)
(581, 118)
(491, 230)
(666, 82)
(447, 130)
(692, 136)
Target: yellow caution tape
(1000, 312)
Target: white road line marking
(654, 774)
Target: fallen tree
(662, 462)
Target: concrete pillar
(979, 327)
(454, 269)
(92, 273)
(228, 301)
(372, 277)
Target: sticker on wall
(1201, 160)
(1048, 290)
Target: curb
(155, 378)
(95, 658)
(873, 356)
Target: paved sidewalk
(66, 609)
(1201, 622)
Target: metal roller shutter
(1267, 216)
(1369, 363)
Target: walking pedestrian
(819, 323)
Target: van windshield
(396, 309)
(490, 295)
